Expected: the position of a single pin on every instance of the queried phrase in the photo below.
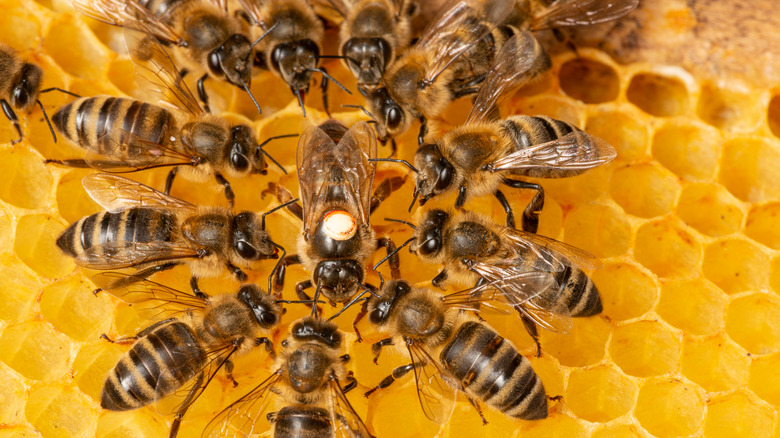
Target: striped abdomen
(133, 225)
(302, 422)
(575, 289)
(158, 364)
(491, 370)
(115, 126)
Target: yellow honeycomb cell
(76, 50)
(600, 394)
(773, 115)
(690, 150)
(763, 378)
(92, 364)
(658, 95)
(728, 107)
(617, 431)
(578, 189)
(753, 322)
(135, 424)
(71, 307)
(12, 396)
(19, 432)
(20, 290)
(18, 188)
(714, 363)
(73, 202)
(710, 209)
(748, 169)
(670, 408)
(645, 348)
(737, 414)
(774, 275)
(626, 291)
(694, 306)
(602, 230)
(35, 350)
(735, 265)
(36, 235)
(667, 248)
(583, 345)
(556, 426)
(60, 411)
(552, 106)
(760, 224)
(645, 189)
(589, 80)
(6, 233)
(623, 130)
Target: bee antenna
(47, 121)
(414, 197)
(317, 292)
(246, 88)
(278, 207)
(357, 298)
(276, 137)
(362, 108)
(394, 252)
(278, 261)
(300, 100)
(263, 36)
(381, 279)
(396, 160)
(330, 78)
(411, 225)
(47, 90)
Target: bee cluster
(479, 49)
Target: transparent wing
(355, 149)
(548, 310)
(576, 150)
(128, 14)
(346, 422)
(153, 299)
(552, 252)
(335, 11)
(314, 160)
(255, 10)
(567, 13)
(511, 69)
(242, 415)
(118, 255)
(503, 294)
(436, 391)
(116, 193)
(130, 153)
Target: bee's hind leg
(534, 208)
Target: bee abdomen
(302, 422)
(114, 126)
(158, 364)
(491, 369)
(133, 225)
(532, 130)
(578, 292)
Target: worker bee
(451, 350)
(151, 232)
(204, 36)
(308, 375)
(483, 153)
(536, 15)
(292, 44)
(485, 256)
(183, 353)
(122, 134)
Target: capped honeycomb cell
(714, 364)
(556, 426)
(21, 28)
(72, 309)
(667, 249)
(773, 115)
(589, 80)
(92, 364)
(626, 291)
(670, 408)
(132, 424)
(763, 378)
(735, 265)
(710, 209)
(20, 289)
(748, 169)
(690, 150)
(645, 348)
(623, 130)
(601, 229)
(753, 322)
(583, 345)
(6, 233)
(644, 189)
(35, 244)
(658, 95)
(35, 351)
(738, 414)
(763, 224)
(58, 411)
(121, 73)
(396, 401)
(77, 50)
(466, 422)
(12, 394)
(728, 108)
(600, 394)
(19, 188)
(694, 306)
(73, 201)
(617, 431)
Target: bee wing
(129, 153)
(255, 9)
(314, 160)
(119, 255)
(221, 4)
(129, 14)
(436, 389)
(354, 151)
(576, 150)
(568, 13)
(156, 73)
(335, 11)
(552, 252)
(116, 193)
(242, 415)
(154, 299)
(346, 422)
(503, 294)
(549, 311)
(511, 69)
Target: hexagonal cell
(578, 189)
(657, 95)
(763, 378)
(555, 426)
(35, 350)
(556, 107)
(130, 424)
(774, 275)
(749, 169)
(644, 189)
(397, 402)
(691, 150)
(58, 411)
(626, 292)
(583, 345)
(12, 396)
(35, 244)
(738, 414)
(601, 229)
(735, 265)
(551, 373)
(754, 323)
(466, 422)
(72, 309)
(694, 306)
(21, 29)
(20, 289)
(710, 209)
(728, 109)
(589, 80)
(599, 394)
(773, 115)
(670, 408)
(6, 233)
(645, 348)
(617, 431)
(667, 248)
(714, 364)
(73, 201)
(763, 224)
(92, 364)
(27, 182)
(77, 50)
(622, 130)
(19, 432)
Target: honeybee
(204, 36)
(122, 134)
(452, 350)
(483, 153)
(476, 252)
(536, 15)
(308, 375)
(292, 44)
(151, 232)
(182, 354)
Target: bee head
(318, 330)
(338, 279)
(390, 116)
(244, 155)
(295, 62)
(25, 90)
(231, 61)
(367, 58)
(430, 239)
(435, 174)
(264, 308)
(379, 308)
(250, 241)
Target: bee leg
(461, 199)
(534, 208)
(351, 384)
(229, 372)
(530, 327)
(169, 180)
(360, 315)
(9, 112)
(191, 396)
(384, 190)
(202, 93)
(423, 130)
(82, 164)
(141, 334)
(376, 348)
(196, 289)
(136, 277)
(282, 270)
(269, 346)
(235, 270)
(510, 216)
(439, 279)
(479, 410)
(344, 358)
(272, 417)
(300, 290)
(228, 190)
(395, 375)
(324, 87)
(395, 263)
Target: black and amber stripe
(302, 422)
(158, 364)
(491, 370)
(133, 225)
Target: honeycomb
(685, 221)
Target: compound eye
(394, 117)
(239, 162)
(431, 245)
(445, 176)
(269, 319)
(246, 251)
(276, 56)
